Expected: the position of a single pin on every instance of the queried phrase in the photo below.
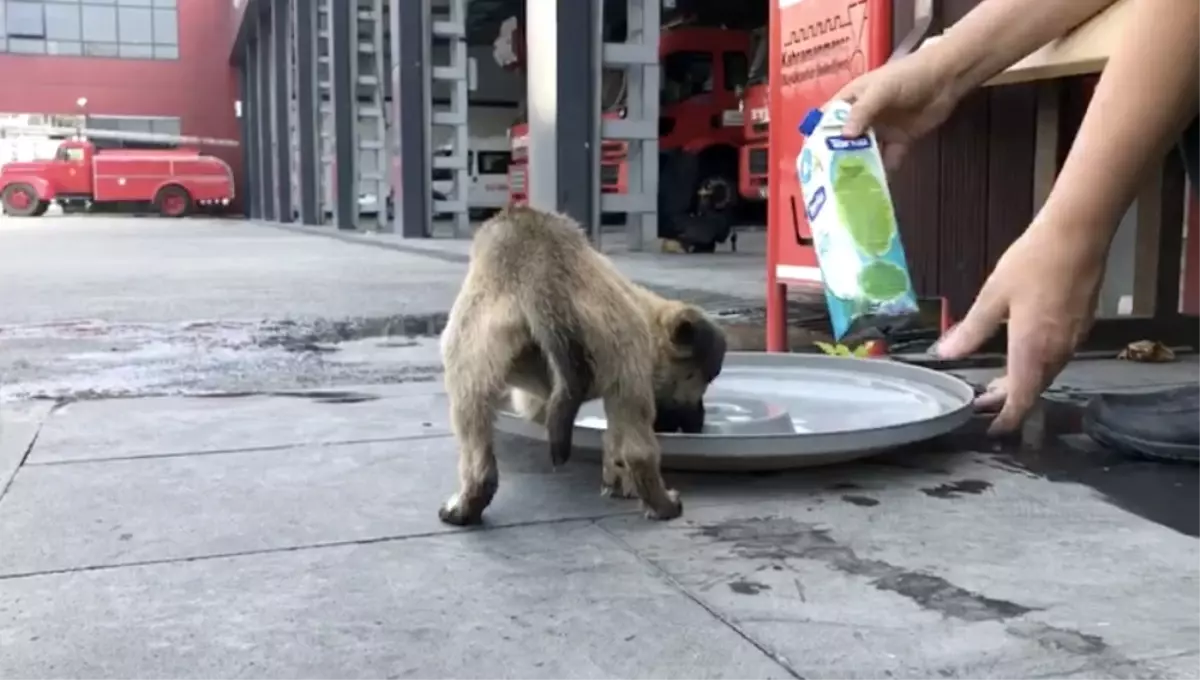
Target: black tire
(715, 174)
(21, 200)
(173, 201)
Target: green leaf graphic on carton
(863, 206)
(882, 280)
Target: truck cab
(27, 187)
(71, 169)
(703, 70)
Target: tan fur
(546, 318)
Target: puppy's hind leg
(571, 376)
(631, 428)
(476, 365)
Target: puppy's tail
(571, 373)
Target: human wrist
(951, 68)
(1077, 225)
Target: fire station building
(341, 99)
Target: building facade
(142, 65)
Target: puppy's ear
(695, 337)
(683, 334)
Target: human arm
(907, 98)
(998, 33)
(1145, 97)
(1046, 283)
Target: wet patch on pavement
(744, 587)
(957, 489)
(317, 396)
(88, 359)
(782, 538)
(1162, 492)
(860, 501)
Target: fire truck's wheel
(41, 209)
(721, 189)
(173, 201)
(21, 200)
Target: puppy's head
(691, 354)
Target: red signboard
(816, 47)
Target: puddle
(1162, 492)
(318, 396)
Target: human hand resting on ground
(1046, 288)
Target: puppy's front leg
(615, 481)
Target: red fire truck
(176, 181)
(703, 69)
(756, 115)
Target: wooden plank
(1046, 145)
(963, 173)
(1011, 151)
(1148, 216)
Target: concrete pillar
(343, 52)
(563, 49)
(308, 135)
(639, 129)
(264, 119)
(411, 117)
(252, 112)
(280, 98)
(246, 131)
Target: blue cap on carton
(811, 120)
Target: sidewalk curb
(711, 300)
(365, 239)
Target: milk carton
(853, 223)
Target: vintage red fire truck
(175, 181)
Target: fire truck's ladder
(449, 24)
(639, 127)
(17, 130)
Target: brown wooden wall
(965, 192)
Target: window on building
(24, 20)
(130, 29)
(494, 162)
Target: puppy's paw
(459, 514)
(669, 511)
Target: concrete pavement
(294, 536)
(102, 306)
(264, 530)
